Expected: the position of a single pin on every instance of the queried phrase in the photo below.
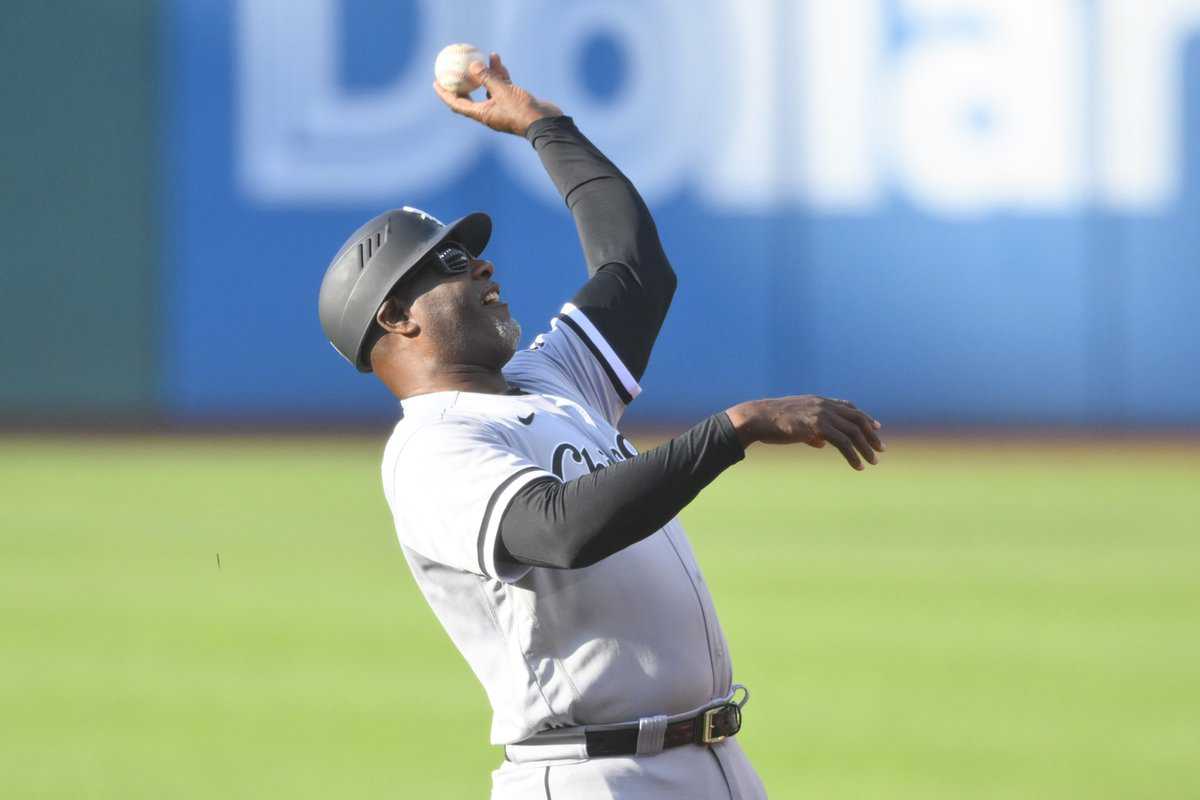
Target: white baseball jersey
(633, 635)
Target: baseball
(450, 68)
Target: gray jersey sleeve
(448, 486)
(573, 359)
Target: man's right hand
(811, 420)
(508, 108)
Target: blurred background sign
(955, 211)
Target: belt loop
(651, 733)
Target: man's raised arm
(630, 282)
(572, 524)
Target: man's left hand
(508, 108)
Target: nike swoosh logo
(526, 420)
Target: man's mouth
(492, 296)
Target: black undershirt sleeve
(630, 283)
(549, 523)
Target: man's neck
(453, 378)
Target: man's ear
(394, 317)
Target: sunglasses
(450, 258)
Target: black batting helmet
(372, 262)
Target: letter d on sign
(303, 138)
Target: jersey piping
(622, 379)
(489, 529)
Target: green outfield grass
(967, 621)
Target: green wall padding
(78, 151)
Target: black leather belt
(707, 727)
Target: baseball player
(546, 545)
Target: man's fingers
(839, 440)
(866, 424)
(495, 82)
(858, 437)
(480, 73)
(498, 68)
(463, 105)
(847, 404)
(459, 105)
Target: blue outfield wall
(907, 226)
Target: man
(546, 545)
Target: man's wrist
(729, 435)
(542, 120)
(742, 417)
(532, 116)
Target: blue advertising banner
(949, 211)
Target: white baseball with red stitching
(450, 68)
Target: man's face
(457, 304)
